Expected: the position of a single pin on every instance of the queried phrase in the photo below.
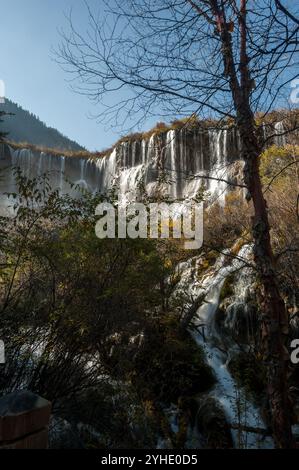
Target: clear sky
(28, 32)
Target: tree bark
(274, 316)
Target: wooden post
(24, 421)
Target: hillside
(24, 126)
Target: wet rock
(241, 321)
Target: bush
(250, 373)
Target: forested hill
(24, 126)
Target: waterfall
(144, 147)
(208, 337)
(280, 138)
(196, 153)
(190, 158)
(129, 179)
(62, 170)
(219, 148)
(82, 181)
(171, 162)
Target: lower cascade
(242, 414)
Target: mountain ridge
(24, 126)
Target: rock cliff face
(188, 159)
(180, 154)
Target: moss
(212, 257)
(276, 116)
(205, 265)
(235, 250)
(208, 260)
(227, 288)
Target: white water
(177, 153)
(280, 139)
(225, 391)
(189, 158)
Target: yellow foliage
(279, 163)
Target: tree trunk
(274, 315)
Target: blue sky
(28, 32)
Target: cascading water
(62, 174)
(226, 391)
(189, 158)
(279, 130)
(185, 156)
(219, 173)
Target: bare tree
(224, 59)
